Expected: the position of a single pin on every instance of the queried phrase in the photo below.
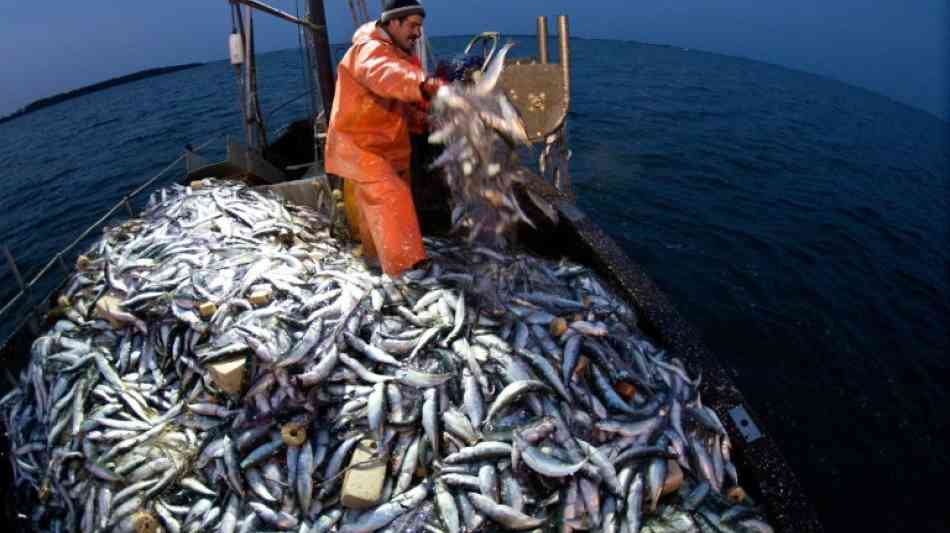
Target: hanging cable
(304, 65)
(365, 12)
(356, 22)
(254, 128)
(237, 26)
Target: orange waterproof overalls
(376, 104)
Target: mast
(321, 47)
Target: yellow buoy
(293, 433)
(144, 522)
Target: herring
(481, 414)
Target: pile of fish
(540, 408)
(482, 133)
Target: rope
(288, 102)
(356, 22)
(304, 64)
(365, 11)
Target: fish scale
(334, 339)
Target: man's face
(405, 32)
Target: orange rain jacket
(378, 101)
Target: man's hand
(423, 106)
(431, 86)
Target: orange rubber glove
(431, 86)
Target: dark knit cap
(393, 9)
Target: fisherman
(382, 94)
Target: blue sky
(899, 49)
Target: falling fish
(481, 132)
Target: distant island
(75, 93)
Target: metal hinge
(750, 432)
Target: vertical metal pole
(246, 72)
(562, 178)
(237, 22)
(563, 36)
(543, 40)
(247, 77)
(321, 46)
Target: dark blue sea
(801, 223)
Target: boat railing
(25, 293)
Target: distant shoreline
(43, 103)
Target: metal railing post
(62, 263)
(563, 36)
(11, 263)
(543, 40)
(24, 289)
(562, 178)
